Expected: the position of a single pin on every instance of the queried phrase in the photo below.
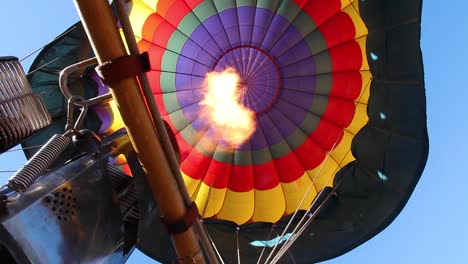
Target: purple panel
(204, 40)
(191, 112)
(183, 82)
(303, 100)
(263, 19)
(198, 124)
(215, 27)
(188, 98)
(272, 135)
(230, 23)
(302, 83)
(184, 65)
(291, 111)
(289, 39)
(301, 68)
(273, 52)
(278, 26)
(246, 17)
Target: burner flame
(230, 120)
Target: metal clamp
(72, 103)
(63, 82)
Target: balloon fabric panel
(305, 67)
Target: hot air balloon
(334, 95)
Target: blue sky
(432, 228)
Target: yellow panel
(117, 121)
(349, 157)
(295, 191)
(362, 43)
(139, 13)
(238, 206)
(151, 3)
(209, 200)
(365, 90)
(191, 184)
(269, 205)
(324, 177)
(343, 148)
(360, 119)
(361, 29)
(346, 3)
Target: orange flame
(231, 121)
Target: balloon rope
(50, 42)
(268, 239)
(42, 66)
(212, 242)
(302, 201)
(18, 149)
(312, 216)
(237, 243)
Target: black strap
(123, 68)
(183, 224)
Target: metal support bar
(100, 25)
(122, 13)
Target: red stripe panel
(265, 176)
(193, 3)
(310, 154)
(217, 175)
(241, 179)
(338, 29)
(320, 10)
(194, 164)
(346, 57)
(346, 85)
(163, 7)
(152, 22)
(177, 12)
(339, 111)
(326, 134)
(160, 103)
(289, 168)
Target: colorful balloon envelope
(305, 78)
(335, 95)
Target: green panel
(280, 149)
(322, 63)
(261, 156)
(316, 42)
(167, 82)
(296, 139)
(241, 3)
(188, 24)
(323, 84)
(242, 158)
(289, 10)
(176, 41)
(304, 24)
(268, 4)
(179, 122)
(169, 61)
(205, 10)
(310, 123)
(318, 105)
(223, 156)
(222, 5)
(170, 102)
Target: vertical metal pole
(160, 128)
(101, 27)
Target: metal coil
(21, 111)
(34, 168)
